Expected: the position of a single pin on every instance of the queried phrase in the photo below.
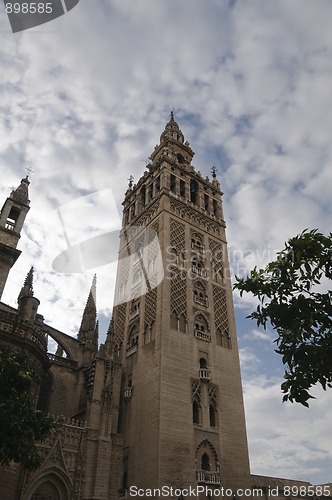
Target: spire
(21, 193)
(27, 303)
(88, 331)
(27, 288)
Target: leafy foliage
(21, 425)
(298, 310)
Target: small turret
(88, 332)
(27, 303)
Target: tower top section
(172, 131)
(173, 144)
(172, 176)
(21, 193)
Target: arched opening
(202, 363)
(200, 323)
(143, 196)
(219, 337)
(180, 158)
(182, 188)
(182, 324)
(212, 416)
(52, 486)
(194, 191)
(199, 292)
(46, 490)
(196, 242)
(205, 462)
(198, 266)
(196, 413)
(174, 321)
(133, 336)
(172, 183)
(12, 218)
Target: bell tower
(12, 217)
(182, 414)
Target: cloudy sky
(83, 101)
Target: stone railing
(207, 477)
(131, 350)
(200, 300)
(127, 393)
(12, 324)
(204, 374)
(202, 335)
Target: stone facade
(160, 403)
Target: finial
(214, 172)
(172, 115)
(27, 288)
(28, 283)
(28, 168)
(131, 178)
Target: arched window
(182, 323)
(205, 462)
(147, 334)
(12, 218)
(180, 158)
(151, 191)
(197, 242)
(133, 337)
(196, 413)
(194, 191)
(219, 337)
(200, 323)
(174, 321)
(197, 266)
(143, 196)
(172, 183)
(182, 188)
(199, 292)
(212, 416)
(201, 328)
(202, 363)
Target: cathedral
(157, 410)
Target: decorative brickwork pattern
(220, 310)
(177, 235)
(148, 215)
(213, 395)
(216, 258)
(192, 215)
(150, 307)
(178, 292)
(120, 323)
(196, 391)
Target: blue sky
(84, 100)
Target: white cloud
(287, 440)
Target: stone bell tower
(12, 217)
(182, 413)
